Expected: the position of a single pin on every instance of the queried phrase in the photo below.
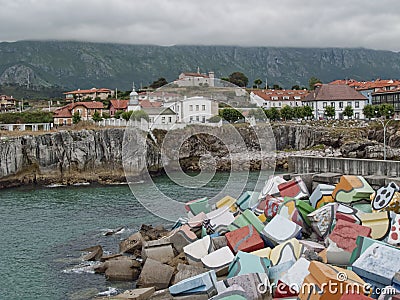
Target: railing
(27, 127)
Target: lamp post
(384, 125)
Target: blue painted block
(200, 284)
(246, 263)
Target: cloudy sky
(296, 23)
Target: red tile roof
(63, 112)
(90, 105)
(331, 92)
(119, 104)
(277, 95)
(148, 103)
(368, 85)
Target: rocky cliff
(96, 155)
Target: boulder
(132, 243)
(155, 274)
(110, 256)
(161, 253)
(122, 269)
(149, 233)
(179, 259)
(162, 295)
(95, 253)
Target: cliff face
(96, 155)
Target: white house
(196, 109)
(160, 116)
(338, 96)
(195, 79)
(277, 98)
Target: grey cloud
(294, 23)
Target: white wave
(110, 292)
(55, 185)
(87, 267)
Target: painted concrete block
(198, 205)
(276, 272)
(385, 198)
(182, 237)
(255, 285)
(248, 200)
(197, 250)
(379, 223)
(322, 195)
(294, 277)
(244, 239)
(247, 217)
(227, 201)
(346, 233)
(269, 206)
(234, 292)
(187, 271)
(219, 260)
(218, 220)
(294, 188)
(378, 263)
(290, 250)
(324, 277)
(271, 186)
(136, 294)
(394, 234)
(265, 252)
(313, 246)
(289, 210)
(247, 263)
(201, 284)
(352, 189)
(322, 219)
(348, 213)
(280, 230)
(363, 243)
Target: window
(163, 120)
(170, 119)
(204, 119)
(191, 107)
(348, 103)
(191, 119)
(333, 104)
(203, 107)
(324, 104)
(197, 108)
(356, 104)
(340, 104)
(197, 118)
(280, 104)
(357, 115)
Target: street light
(384, 125)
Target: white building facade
(194, 109)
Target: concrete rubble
(294, 240)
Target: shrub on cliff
(26, 117)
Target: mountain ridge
(66, 65)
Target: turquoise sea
(44, 229)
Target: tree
(106, 115)
(369, 111)
(296, 87)
(274, 114)
(239, 79)
(76, 117)
(386, 110)
(214, 119)
(348, 111)
(308, 111)
(158, 83)
(258, 82)
(118, 114)
(230, 114)
(330, 111)
(298, 112)
(126, 115)
(140, 114)
(276, 87)
(258, 114)
(312, 82)
(287, 113)
(97, 117)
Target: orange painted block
(244, 239)
(326, 282)
(354, 296)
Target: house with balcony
(91, 94)
(388, 97)
(277, 98)
(63, 115)
(7, 103)
(338, 96)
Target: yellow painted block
(289, 250)
(379, 222)
(227, 201)
(262, 218)
(265, 252)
